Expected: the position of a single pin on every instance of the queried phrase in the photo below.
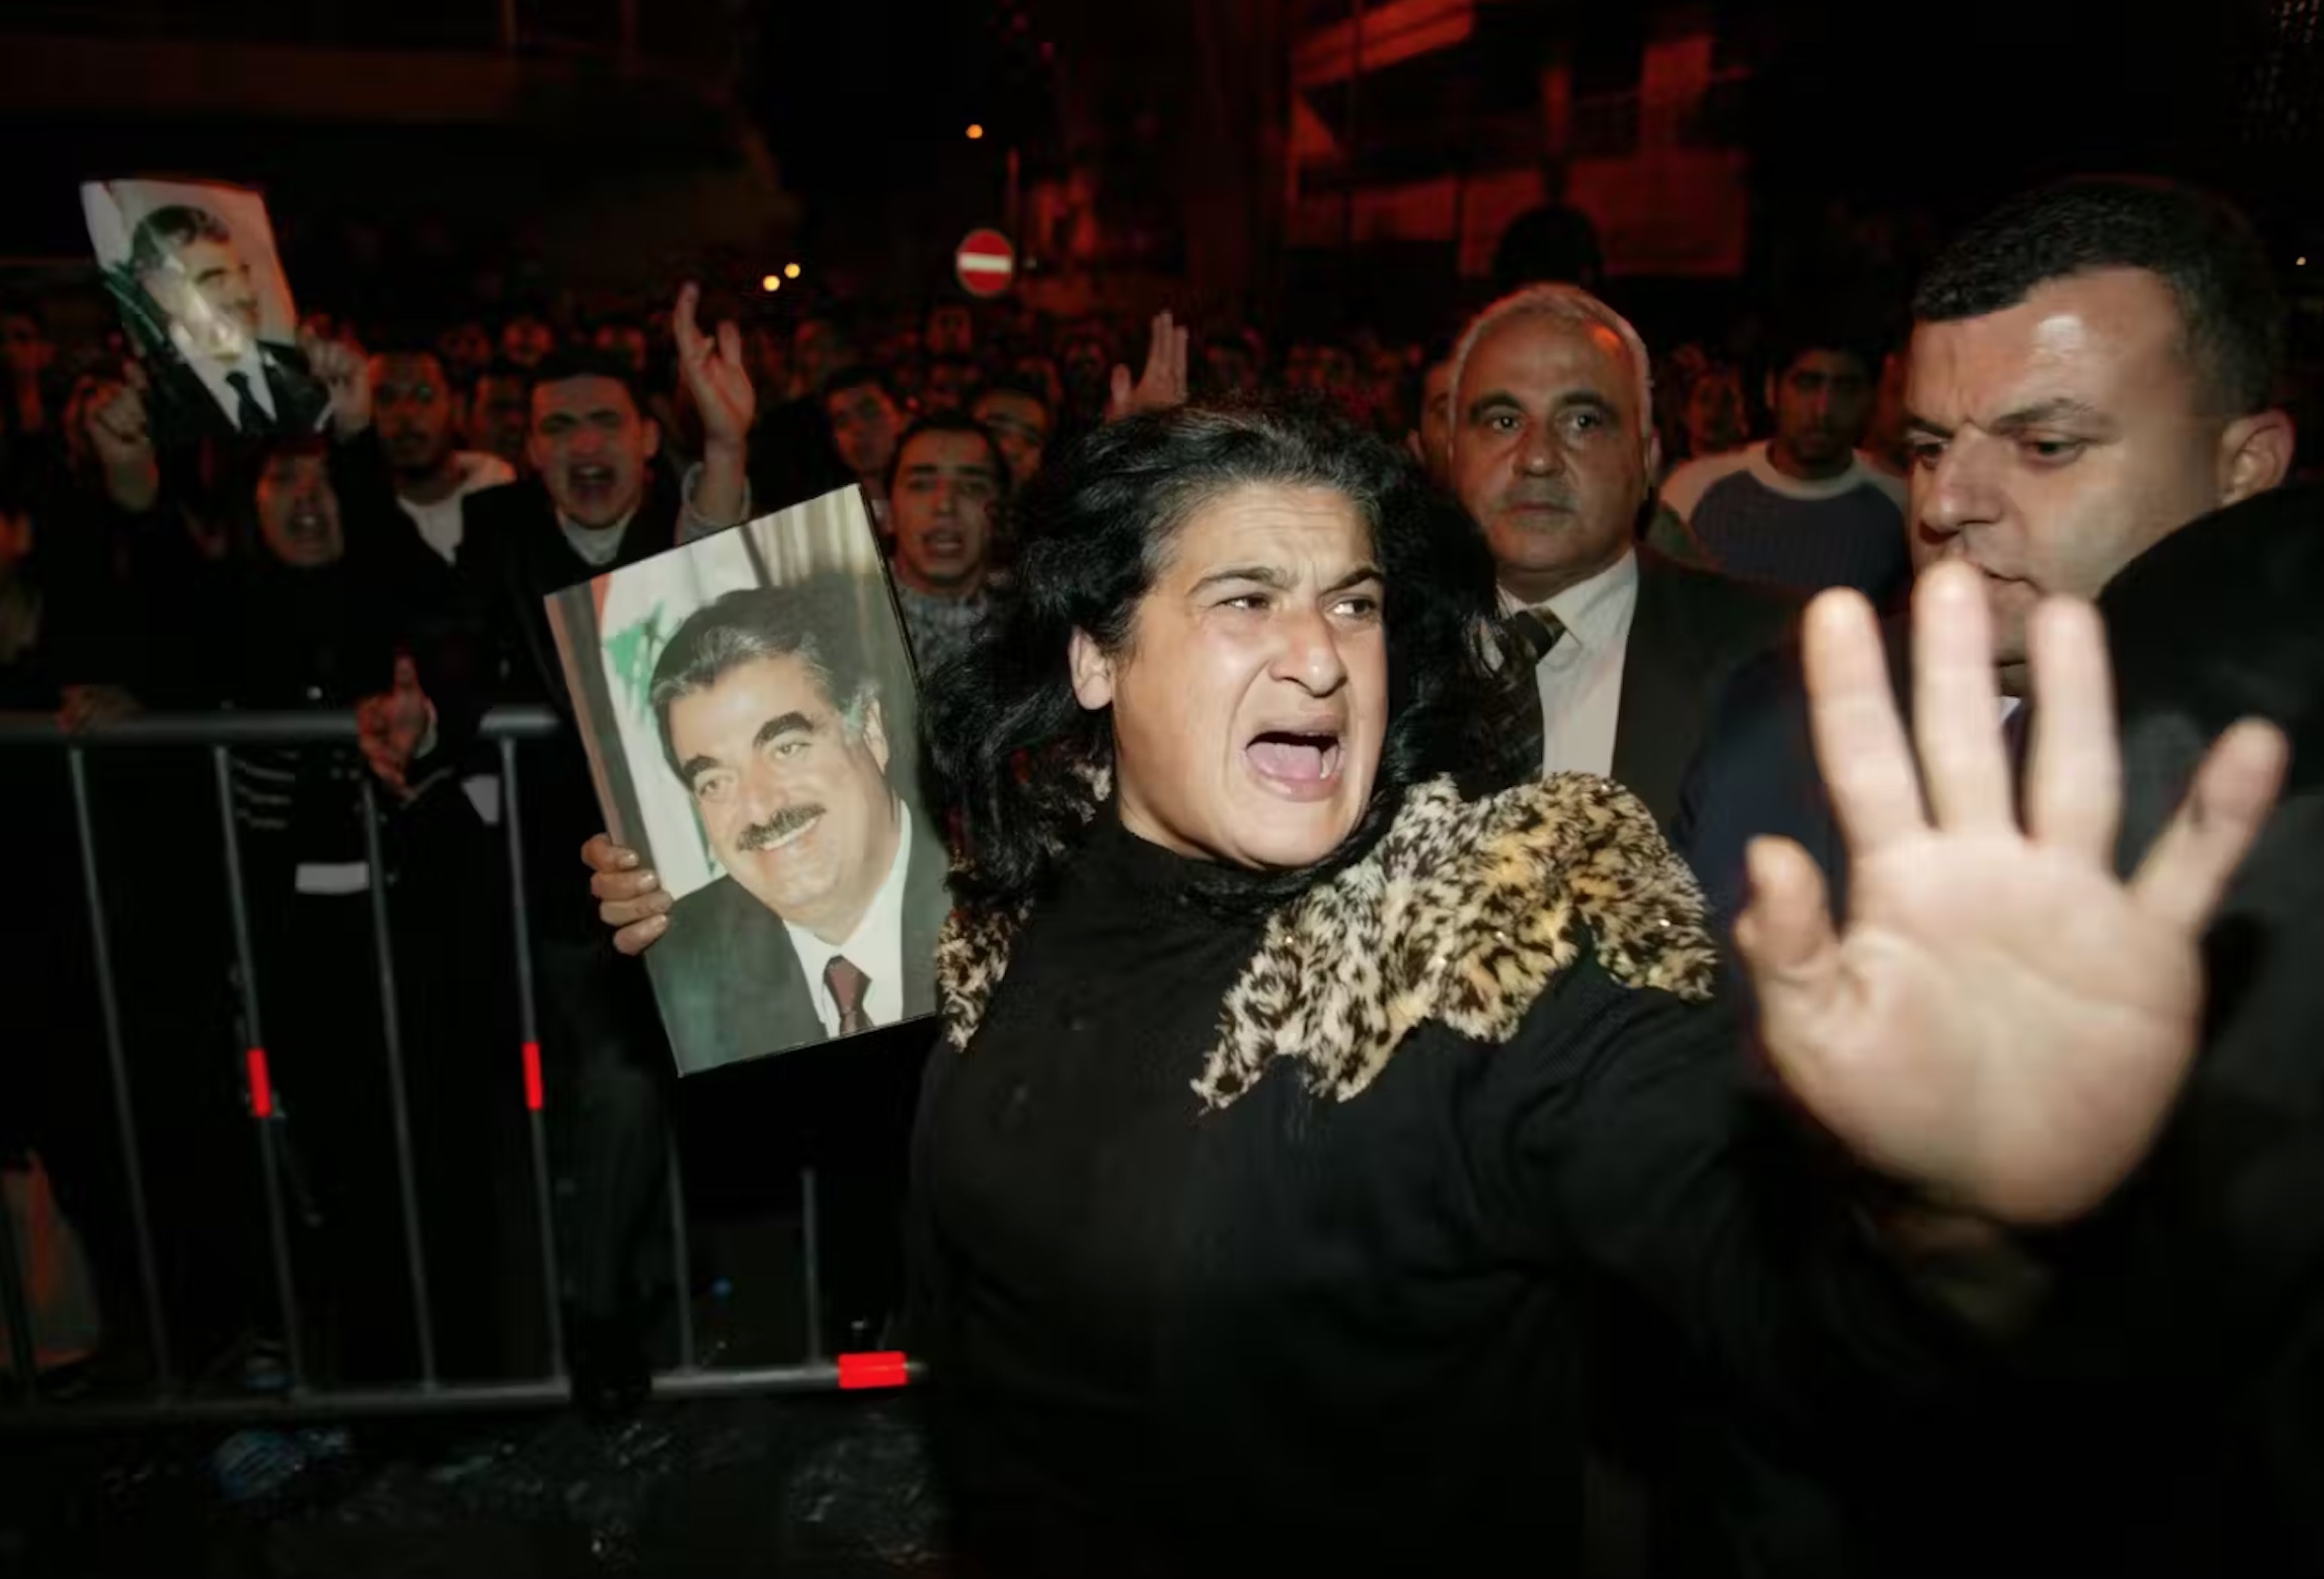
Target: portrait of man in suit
(203, 296)
(773, 716)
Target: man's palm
(2004, 1021)
(716, 373)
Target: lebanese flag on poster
(637, 612)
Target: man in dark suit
(1554, 454)
(2049, 474)
(772, 714)
(2092, 377)
(215, 377)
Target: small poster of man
(748, 709)
(193, 268)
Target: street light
(791, 271)
(771, 283)
(974, 131)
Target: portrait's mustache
(785, 823)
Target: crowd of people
(2084, 398)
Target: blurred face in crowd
(413, 404)
(1715, 413)
(817, 351)
(1884, 437)
(500, 419)
(1436, 430)
(211, 294)
(2056, 441)
(1550, 452)
(25, 351)
(298, 514)
(590, 445)
(941, 511)
(16, 540)
(1233, 371)
(1087, 365)
(792, 792)
(949, 385)
(864, 425)
(1020, 424)
(1041, 375)
(625, 341)
(526, 340)
(1251, 699)
(951, 332)
(770, 360)
(1823, 403)
(466, 350)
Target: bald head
(1553, 449)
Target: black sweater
(1303, 1335)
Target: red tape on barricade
(872, 1371)
(262, 1090)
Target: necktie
(249, 415)
(1537, 630)
(848, 986)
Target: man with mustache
(1554, 454)
(1806, 509)
(773, 716)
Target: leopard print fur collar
(1464, 912)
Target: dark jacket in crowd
(1691, 632)
(496, 647)
(2172, 1419)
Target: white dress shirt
(442, 521)
(874, 947)
(1581, 678)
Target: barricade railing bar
(220, 734)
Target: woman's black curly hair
(1014, 750)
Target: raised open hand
(346, 372)
(716, 373)
(118, 427)
(1164, 382)
(2004, 1021)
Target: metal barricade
(219, 734)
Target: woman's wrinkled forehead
(1232, 512)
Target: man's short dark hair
(947, 422)
(816, 620)
(180, 224)
(861, 375)
(2199, 245)
(583, 361)
(1845, 330)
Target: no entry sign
(986, 262)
